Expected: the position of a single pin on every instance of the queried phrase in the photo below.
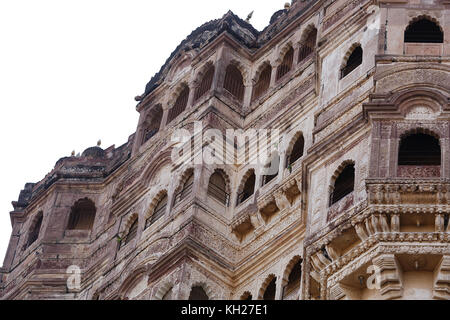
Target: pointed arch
(424, 29)
(35, 228)
(262, 83)
(158, 162)
(207, 77)
(131, 281)
(219, 187)
(234, 82)
(157, 208)
(179, 64)
(420, 147)
(268, 288)
(82, 215)
(247, 186)
(243, 69)
(185, 185)
(180, 103)
(287, 62)
(198, 293)
(292, 275)
(352, 59)
(307, 43)
(204, 289)
(343, 181)
(131, 228)
(295, 149)
(152, 122)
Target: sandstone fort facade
(357, 208)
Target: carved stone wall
(386, 239)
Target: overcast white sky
(70, 69)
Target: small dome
(95, 152)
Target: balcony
(403, 229)
(340, 207)
(419, 172)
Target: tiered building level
(359, 207)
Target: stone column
(393, 157)
(296, 48)
(279, 289)
(444, 142)
(219, 76)
(192, 88)
(247, 97)
(164, 118)
(139, 134)
(273, 77)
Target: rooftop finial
(99, 143)
(250, 15)
(287, 6)
(73, 153)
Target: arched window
(269, 294)
(82, 215)
(186, 189)
(234, 82)
(205, 84)
(217, 188)
(158, 212)
(354, 60)
(286, 65)
(249, 188)
(297, 151)
(152, 123)
(308, 46)
(273, 165)
(419, 150)
(180, 104)
(197, 293)
(344, 184)
(263, 83)
(35, 229)
(294, 279)
(132, 232)
(424, 31)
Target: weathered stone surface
(162, 227)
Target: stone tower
(350, 201)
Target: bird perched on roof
(99, 143)
(250, 15)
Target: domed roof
(94, 152)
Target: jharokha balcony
(403, 228)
